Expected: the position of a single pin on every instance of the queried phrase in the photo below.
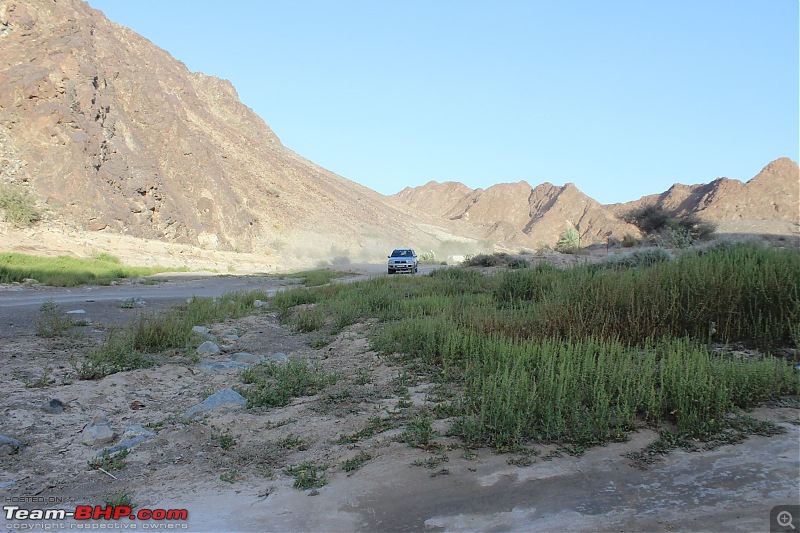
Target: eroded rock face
(112, 133)
(520, 214)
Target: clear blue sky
(623, 98)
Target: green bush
(18, 205)
(675, 230)
(569, 242)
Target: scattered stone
(114, 283)
(244, 357)
(30, 281)
(214, 366)
(98, 431)
(122, 445)
(76, 312)
(278, 357)
(259, 303)
(230, 338)
(6, 484)
(137, 430)
(8, 445)
(54, 406)
(225, 397)
(208, 348)
(201, 330)
(136, 405)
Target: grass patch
(275, 385)
(307, 475)
(66, 271)
(51, 321)
(582, 356)
(138, 344)
(119, 499)
(109, 462)
(356, 462)
(321, 276)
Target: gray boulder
(8, 445)
(213, 366)
(244, 357)
(54, 406)
(208, 348)
(225, 397)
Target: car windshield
(401, 253)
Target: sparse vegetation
(321, 276)
(679, 231)
(307, 475)
(496, 259)
(137, 345)
(66, 271)
(274, 385)
(356, 462)
(119, 499)
(18, 205)
(582, 356)
(109, 462)
(51, 321)
(224, 440)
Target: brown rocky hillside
(518, 214)
(112, 134)
(772, 195)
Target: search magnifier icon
(785, 519)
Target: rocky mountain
(773, 194)
(518, 214)
(112, 134)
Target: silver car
(403, 260)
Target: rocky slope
(516, 213)
(113, 134)
(773, 194)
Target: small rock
(54, 406)
(99, 418)
(208, 348)
(230, 338)
(278, 357)
(259, 303)
(76, 312)
(114, 283)
(136, 405)
(99, 434)
(214, 366)
(221, 398)
(123, 445)
(201, 330)
(137, 430)
(5, 484)
(8, 445)
(244, 357)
